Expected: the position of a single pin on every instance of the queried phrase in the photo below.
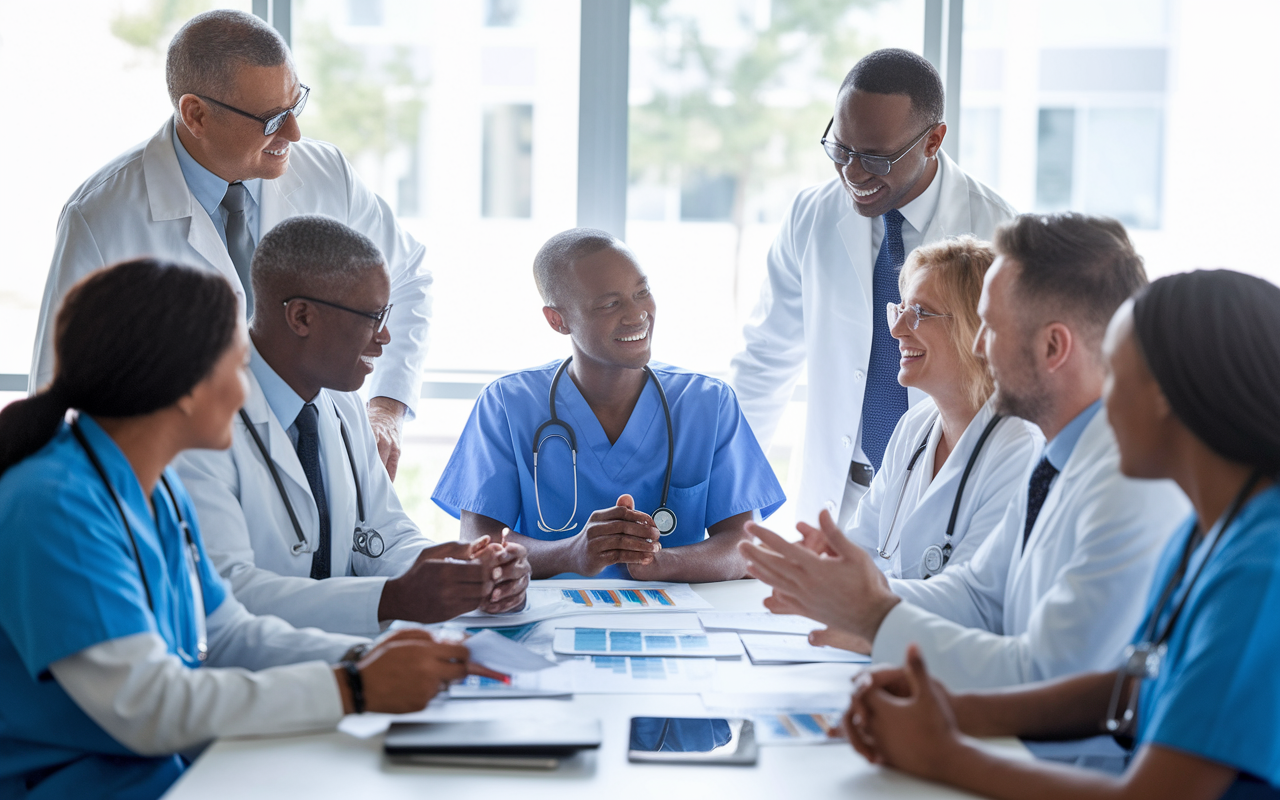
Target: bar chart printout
(549, 599)
(619, 598)
(671, 643)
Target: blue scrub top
(68, 581)
(719, 470)
(1217, 695)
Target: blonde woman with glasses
(952, 463)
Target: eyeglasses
(379, 317)
(272, 123)
(913, 314)
(876, 165)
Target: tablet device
(686, 740)
(519, 742)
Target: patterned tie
(239, 242)
(885, 400)
(309, 455)
(1037, 490)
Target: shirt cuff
(900, 627)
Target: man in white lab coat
(833, 269)
(225, 169)
(299, 515)
(1059, 586)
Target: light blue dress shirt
(209, 190)
(284, 402)
(1064, 444)
(719, 470)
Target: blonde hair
(958, 265)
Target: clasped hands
(618, 535)
(457, 577)
(824, 577)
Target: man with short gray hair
(299, 516)
(228, 167)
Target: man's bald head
(311, 255)
(551, 267)
(206, 53)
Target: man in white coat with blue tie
(299, 515)
(226, 168)
(834, 267)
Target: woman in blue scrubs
(1194, 377)
(646, 471)
(115, 632)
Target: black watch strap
(356, 684)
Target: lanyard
(275, 476)
(191, 556)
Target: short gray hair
(308, 250)
(561, 251)
(207, 51)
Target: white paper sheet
(499, 653)
(756, 621)
(771, 648)
(638, 642)
(553, 599)
(637, 675)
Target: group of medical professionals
(1037, 489)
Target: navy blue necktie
(309, 455)
(1037, 490)
(885, 400)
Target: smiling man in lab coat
(223, 171)
(299, 516)
(834, 267)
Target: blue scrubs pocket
(690, 505)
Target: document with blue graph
(669, 643)
(552, 598)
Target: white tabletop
(337, 765)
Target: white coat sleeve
(1082, 620)
(75, 255)
(152, 703)
(346, 605)
(398, 373)
(240, 639)
(764, 374)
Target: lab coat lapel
(953, 216)
(276, 205)
(339, 489)
(281, 451)
(947, 480)
(853, 284)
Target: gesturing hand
(903, 718)
(618, 535)
(404, 671)
(845, 590)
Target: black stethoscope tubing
(573, 445)
(275, 476)
(955, 505)
(202, 646)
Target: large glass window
(728, 100)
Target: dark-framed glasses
(876, 165)
(912, 313)
(379, 317)
(272, 123)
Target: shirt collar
(919, 212)
(283, 400)
(1060, 448)
(208, 188)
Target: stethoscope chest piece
(934, 559)
(368, 542)
(665, 520)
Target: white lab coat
(1069, 604)
(926, 503)
(816, 306)
(248, 534)
(140, 205)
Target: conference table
(349, 763)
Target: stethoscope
(192, 555)
(1143, 660)
(365, 541)
(664, 519)
(935, 557)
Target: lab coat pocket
(690, 505)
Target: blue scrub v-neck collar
(612, 458)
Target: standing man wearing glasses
(834, 268)
(299, 515)
(226, 168)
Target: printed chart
(624, 642)
(821, 727)
(549, 602)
